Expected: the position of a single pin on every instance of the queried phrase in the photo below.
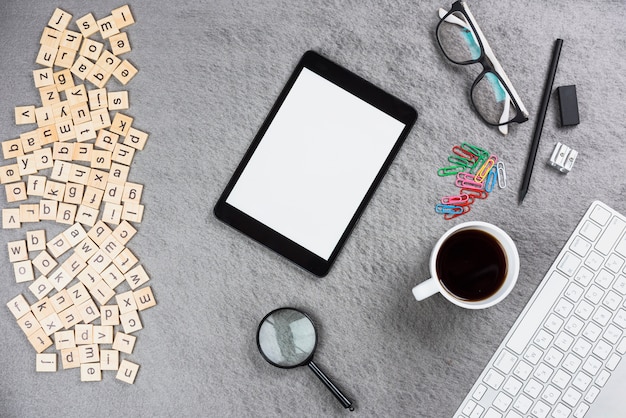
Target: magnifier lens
(287, 338)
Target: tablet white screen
(315, 163)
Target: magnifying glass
(286, 338)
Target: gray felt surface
(209, 72)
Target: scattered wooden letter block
(46, 56)
(46, 362)
(119, 44)
(36, 240)
(36, 186)
(65, 57)
(71, 40)
(12, 148)
(23, 271)
(118, 173)
(127, 372)
(136, 277)
(11, 218)
(132, 212)
(60, 278)
(121, 124)
(132, 193)
(107, 27)
(87, 25)
(89, 353)
(43, 158)
(60, 301)
(99, 232)
(113, 193)
(79, 294)
(10, 174)
(66, 213)
(124, 342)
(82, 68)
(25, 115)
(29, 213)
(136, 139)
(98, 77)
(102, 293)
(17, 251)
(53, 191)
(103, 334)
(90, 372)
(86, 215)
(101, 160)
(89, 277)
(44, 263)
(99, 261)
(42, 309)
(118, 100)
(18, 306)
(125, 261)
(49, 95)
(91, 49)
(51, 324)
(144, 298)
(27, 164)
(112, 276)
(48, 133)
(125, 72)
(31, 141)
(64, 339)
(51, 37)
(66, 132)
(70, 317)
(41, 287)
(126, 302)
(58, 245)
(109, 315)
(130, 322)
(70, 358)
(109, 359)
(106, 140)
(123, 17)
(39, 340)
(89, 311)
(59, 20)
(48, 209)
(29, 324)
(83, 334)
(63, 81)
(78, 173)
(112, 213)
(16, 192)
(43, 77)
(98, 179)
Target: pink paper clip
(484, 170)
(460, 200)
(449, 216)
(469, 184)
(465, 176)
(475, 194)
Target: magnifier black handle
(340, 396)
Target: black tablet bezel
(353, 84)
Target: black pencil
(541, 116)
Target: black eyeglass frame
(488, 67)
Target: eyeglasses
(492, 93)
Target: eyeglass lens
(460, 44)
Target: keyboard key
(551, 394)
(569, 264)
(533, 354)
(543, 339)
(612, 363)
(512, 386)
(590, 230)
(505, 361)
(610, 235)
(513, 414)
(574, 292)
(493, 379)
(594, 261)
(612, 300)
(561, 379)
(580, 246)
(478, 411)
(571, 397)
(621, 246)
(602, 350)
(479, 392)
(571, 363)
(604, 278)
(523, 404)
(581, 347)
(602, 316)
(614, 263)
(584, 310)
(620, 284)
(540, 410)
(581, 410)
(594, 294)
(543, 372)
(584, 276)
(582, 381)
(523, 369)
(592, 332)
(574, 325)
(553, 357)
(592, 366)
(469, 407)
(620, 318)
(602, 378)
(600, 215)
(592, 394)
(533, 388)
(561, 411)
(554, 323)
(563, 308)
(541, 305)
(621, 347)
(492, 413)
(502, 401)
(612, 334)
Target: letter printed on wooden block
(127, 372)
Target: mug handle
(425, 289)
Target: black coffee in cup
(471, 264)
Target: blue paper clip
(448, 209)
(501, 174)
(492, 180)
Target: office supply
(562, 356)
(501, 171)
(315, 163)
(568, 105)
(563, 158)
(492, 94)
(541, 116)
(492, 180)
(286, 338)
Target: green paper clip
(451, 170)
(463, 162)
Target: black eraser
(569, 105)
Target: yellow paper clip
(484, 170)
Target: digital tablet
(315, 163)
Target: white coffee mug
(512, 265)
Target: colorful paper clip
(460, 152)
(473, 149)
(460, 200)
(492, 180)
(476, 194)
(448, 209)
(466, 183)
(450, 170)
(449, 216)
(462, 161)
(484, 170)
(501, 172)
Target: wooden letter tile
(118, 100)
(46, 56)
(61, 300)
(102, 292)
(100, 119)
(69, 358)
(89, 277)
(36, 240)
(119, 44)
(75, 234)
(101, 160)
(113, 193)
(43, 159)
(136, 277)
(86, 216)
(82, 68)
(130, 322)
(10, 174)
(46, 362)
(112, 276)
(85, 131)
(64, 339)
(83, 334)
(23, 271)
(73, 266)
(126, 302)
(103, 334)
(39, 340)
(98, 77)
(44, 263)
(70, 317)
(91, 49)
(90, 372)
(18, 251)
(79, 294)
(121, 124)
(98, 179)
(87, 25)
(16, 192)
(54, 191)
(125, 72)
(18, 306)
(127, 372)
(123, 16)
(92, 197)
(74, 193)
(11, 218)
(60, 19)
(109, 359)
(144, 298)
(51, 324)
(109, 315)
(63, 81)
(98, 99)
(48, 209)
(99, 232)
(106, 140)
(89, 353)
(71, 40)
(43, 77)
(42, 309)
(49, 95)
(27, 164)
(124, 342)
(89, 311)
(82, 152)
(125, 261)
(51, 37)
(118, 173)
(132, 212)
(136, 139)
(41, 287)
(66, 132)
(65, 57)
(85, 249)
(59, 279)
(99, 261)
(63, 152)
(107, 27)
(12, 148)
(25, 115)
(29, 324)
(66, 213)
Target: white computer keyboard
(569, 338)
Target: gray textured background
(209, 73)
